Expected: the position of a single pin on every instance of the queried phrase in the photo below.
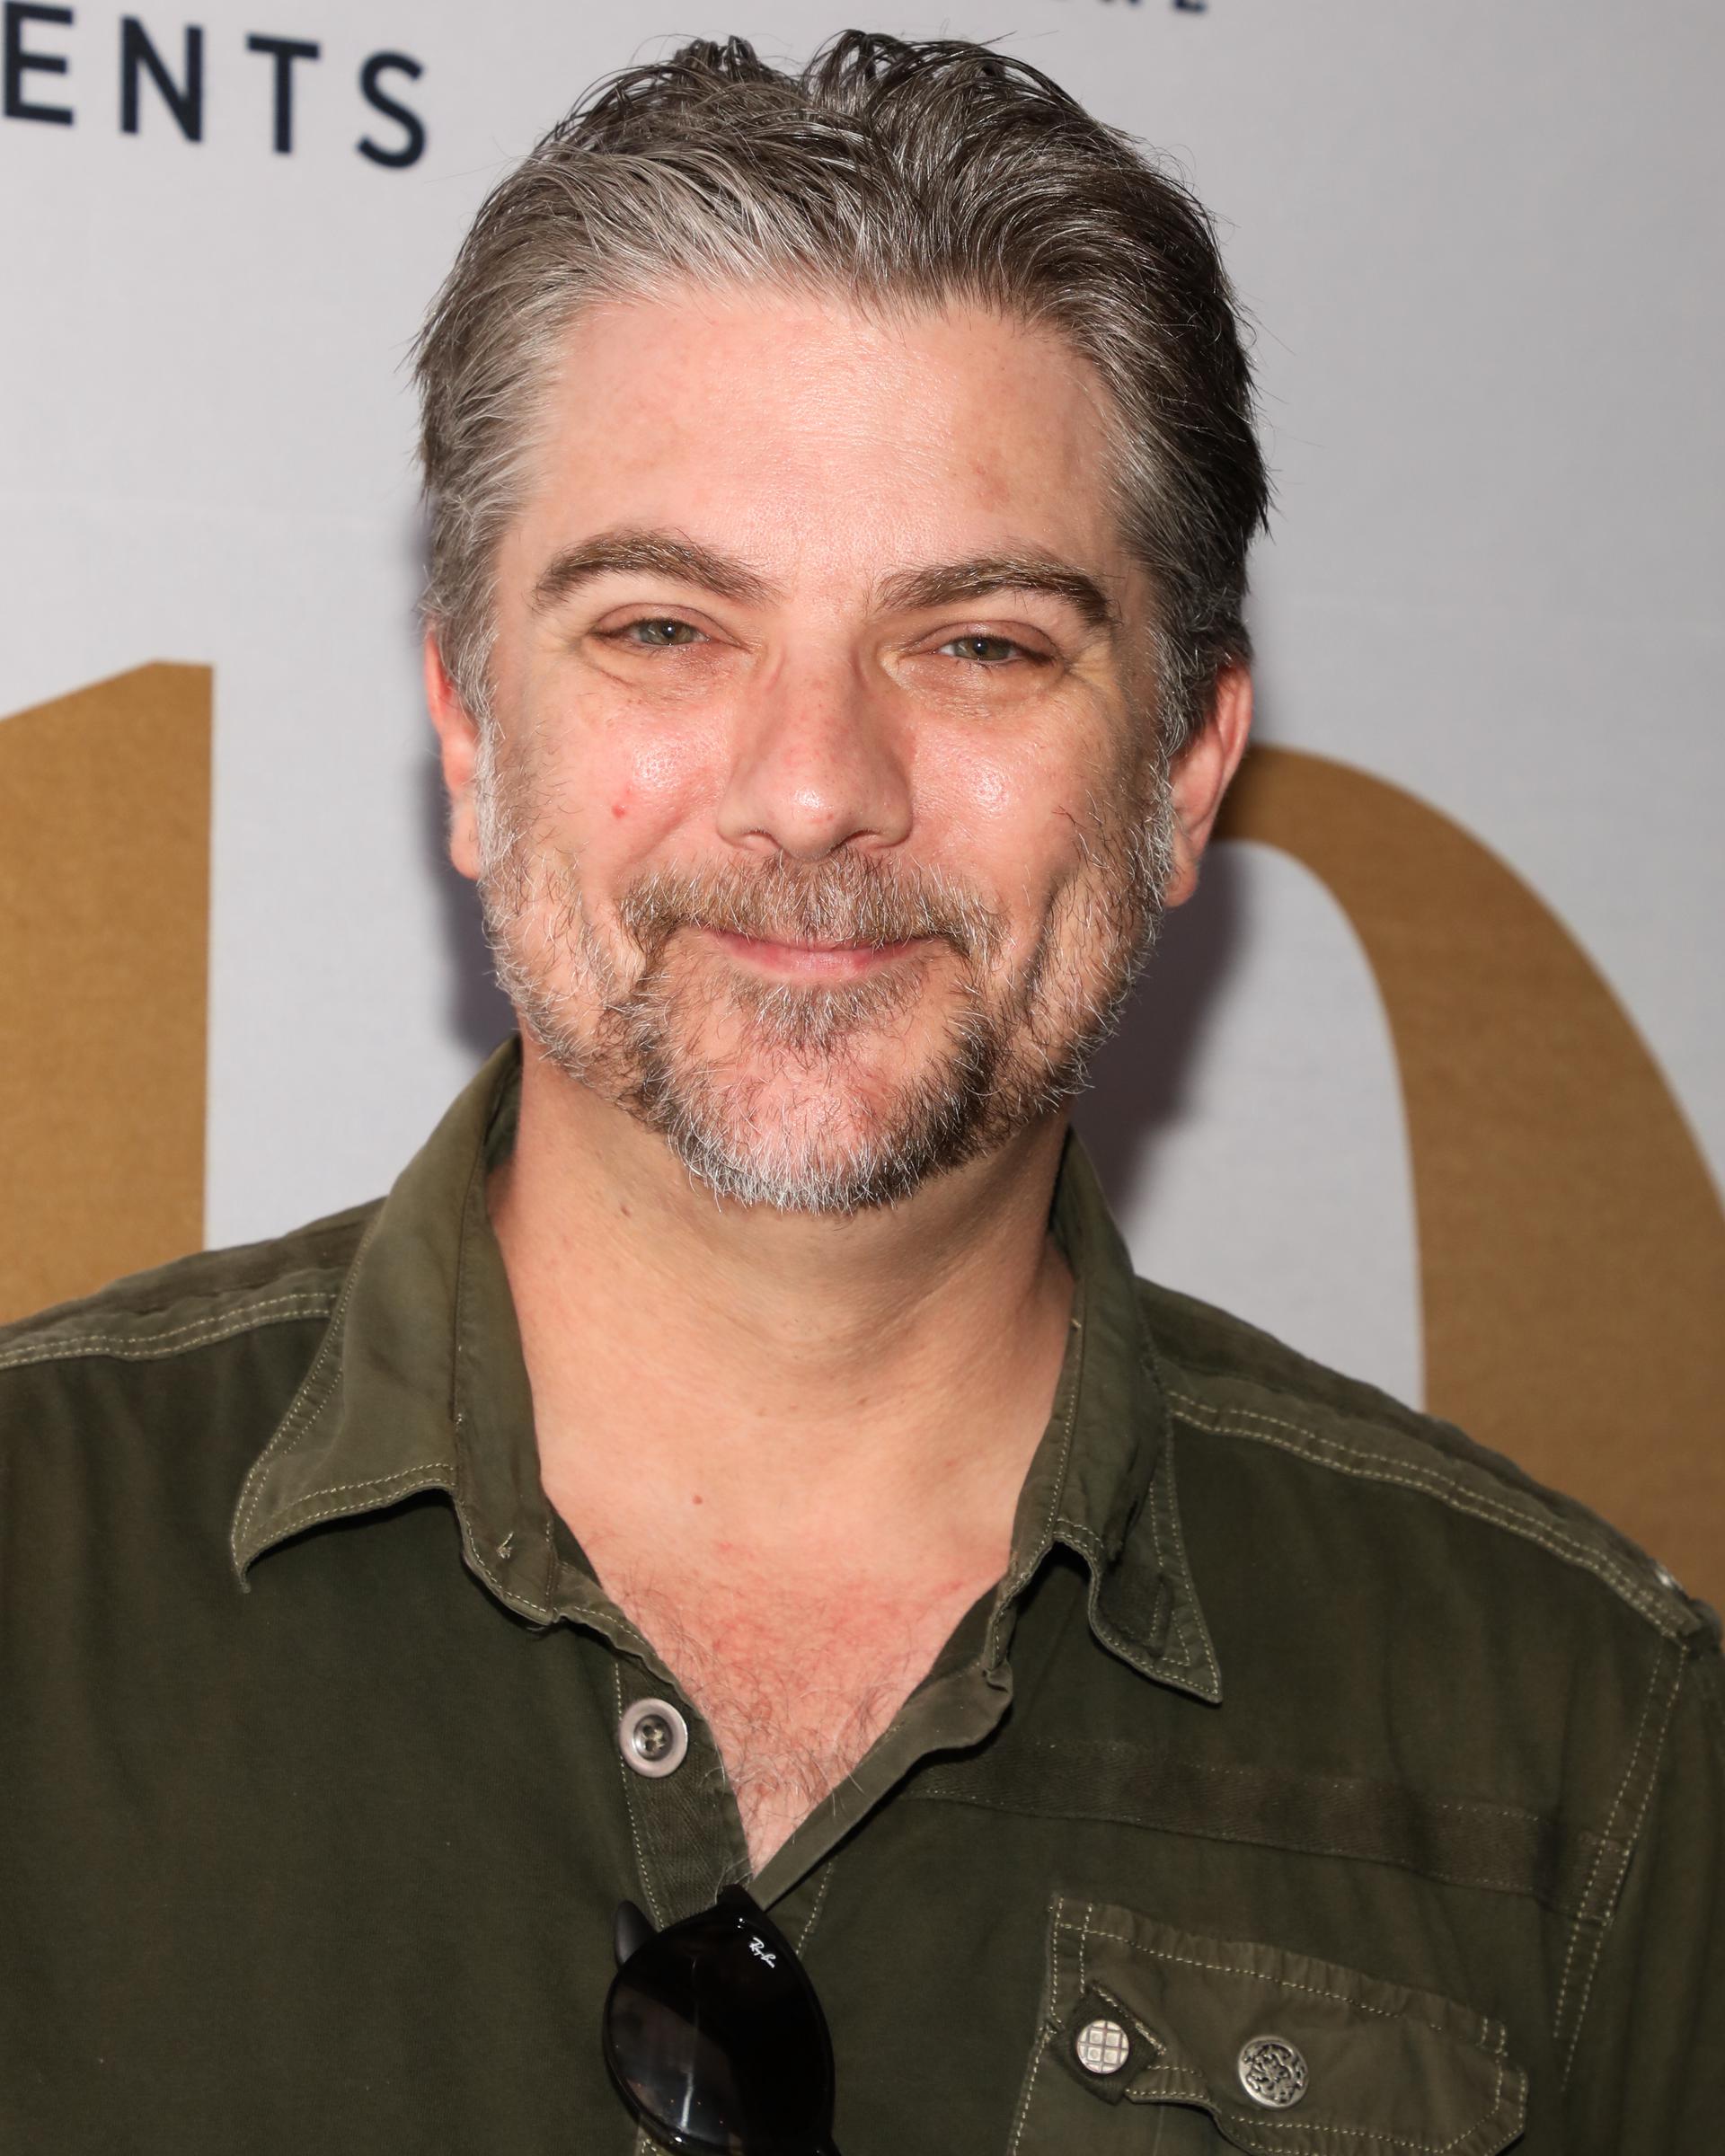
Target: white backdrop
(1480, 242)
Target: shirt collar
(1102, 1482)
(418, 1385)
(419, 1381)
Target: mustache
(845, 898)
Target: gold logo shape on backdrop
(1571, 1241)
(104, 931)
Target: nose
(815, 764)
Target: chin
(836, 1143)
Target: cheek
(657, 774)
(1009, 818)
(626, 794)
(963, 786)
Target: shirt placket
(683, 1818)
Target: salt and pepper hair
(900, 178)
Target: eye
(656, 632)
(988, 651)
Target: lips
(820, 960)
(844, 911)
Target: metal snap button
(653, 1738)
(1273, 2073)
(1102, 2046)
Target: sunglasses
(714, 2037)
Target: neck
(878, 1360)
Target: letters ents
(52, 58)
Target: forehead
(822, 443)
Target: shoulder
(1450, 1513)
(1393, 1602)
(128, 1419)
(130, 1337)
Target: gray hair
(902, 176)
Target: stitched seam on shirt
(1059, 1489)
(1376, 1467)
(1045, 2032)
(1185, 1616)
(1179, 1833)
(553, 1561)
(1491, 1809)
(1414, 1475)
(458, 1423)
(1161, 2082)
(514, 1598)
(1391, 2141)
(425, 1468)
(1193, 1613)
(1584, 1909)
(1286, 1983)
(1176, 1616)
(629, 1807)
(1435, 1804)
(821, 1900)
(1617, 1885)
(294, 1423)
(1090, 1545)
(626, 1638)
(332, 1512)
(199, 1332)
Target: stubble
(781, 1093)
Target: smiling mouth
(815, 962)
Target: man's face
(820, 824)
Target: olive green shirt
(1302, 1745)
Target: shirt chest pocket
(1162, 2043)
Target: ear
(458, 748)
(1200, 776)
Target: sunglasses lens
(714, 2034)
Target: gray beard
(1014, 1050)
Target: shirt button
(1273, 2073)
(1102, 2046)
(653, 1738)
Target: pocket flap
(1285, 2054)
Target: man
(736, 1450)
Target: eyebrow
(631, 552)
(685, 561)
(940, 584)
